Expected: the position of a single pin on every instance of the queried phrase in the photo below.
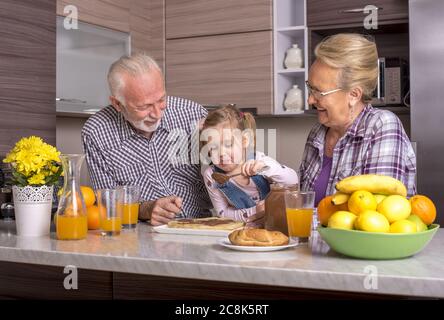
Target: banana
(340, 198)
(373, 183)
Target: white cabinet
(289, 27)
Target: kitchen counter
(145, 252)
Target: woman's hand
(251, 167)
(257, 220)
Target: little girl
(230, 146)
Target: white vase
(293, 58)
(294, 100)
(32, 207)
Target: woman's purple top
(320, 185)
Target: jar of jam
(275, 215)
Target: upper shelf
(291, 14)
(292, 28)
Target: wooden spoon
(222, 178)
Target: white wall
(69, 140)
(291, 134)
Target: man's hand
(165, 209)
(251, 167)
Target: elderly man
(135, 140)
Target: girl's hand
(257, 220)
(251, 167)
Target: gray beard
(140, 125)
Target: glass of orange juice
(110, 215)
(299, 206)
(128, 202)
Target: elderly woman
(352, 137)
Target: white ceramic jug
(294, 100)
(293, 58)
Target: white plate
(197, 232)
(227, 244)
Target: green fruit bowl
(375, 245)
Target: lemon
(420, 225)
(342, 220)
(361, 201)
(394, 208)
(379, 197)
(403, 226)
(373, 221)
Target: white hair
(134, 65)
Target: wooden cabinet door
(112, 14)
(187, 18)
(27, 71)
(332, 12)
(147, 28)
(234, 68)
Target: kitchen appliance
(393, 80)
(426, 90)
(84, 56)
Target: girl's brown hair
(237, 119)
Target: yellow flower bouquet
(34, 163)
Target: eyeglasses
(319, 94)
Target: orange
(93, 217)
(88, 195)
(424, 208)
(326, 208)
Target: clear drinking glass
(110, 214)
(299, 206)
(128, 202)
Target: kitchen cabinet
(112, 14)
(143, 19)
(149, 265)
(147, 28)
(328, 12)
(27, 71)
(392, 40)
(25, 280)
(220, 52)
(189, 18)
(232, 68)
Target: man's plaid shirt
(117, 155)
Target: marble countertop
(144, 251)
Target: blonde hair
(237, 119)
(356, 57)
(134, 65)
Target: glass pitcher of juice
(71, 219)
